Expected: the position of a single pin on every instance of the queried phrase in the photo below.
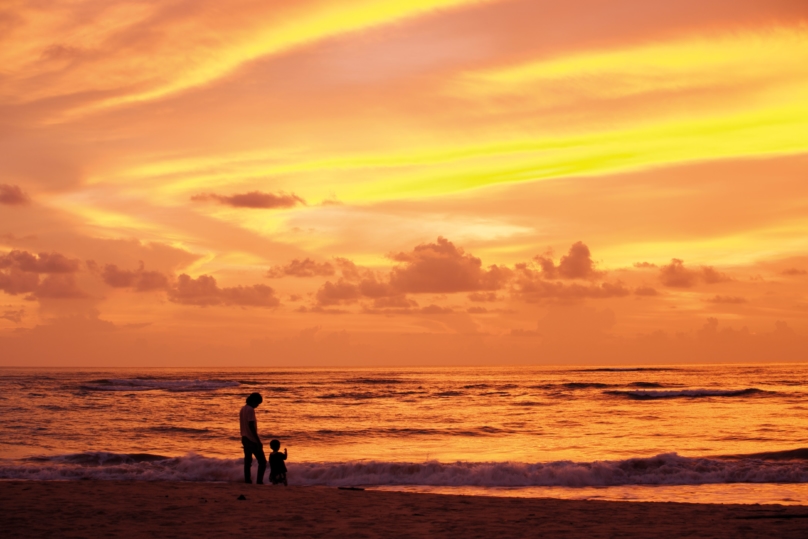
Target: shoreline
(92, 508)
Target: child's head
(274, 445)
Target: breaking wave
(687, 393)
(665, 469)
(152, 384)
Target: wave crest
(665, 469)
(687, 393)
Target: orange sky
(197, 183)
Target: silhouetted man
(250, 440)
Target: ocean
(720, 434)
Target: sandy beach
(141, 509)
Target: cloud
(59, 286)
(337, 293)
(140, 279)
(537, 291)
(483, 310)
(576, 264)
(20, 274)
(343, 292)
(257, 295)
(350, 271)
(395, 302)
(726, 299)
(15, 282)
(645, 291)
(676, 275)
(204, 291)
(443, 268)
(429, 309)
(13, 316)
(483, 297)
(530, 285)
(644, 265)
(436, 309)
(710, 275)
(253, 199)
(42, 263)
(438, 268)
(794, 271)
(302, 268)
(12, 195)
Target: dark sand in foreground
(141, 509)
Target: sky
(393, 183)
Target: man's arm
(254, 430)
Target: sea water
(725, 434)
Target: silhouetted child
(277, 466)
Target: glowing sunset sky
(403, 182)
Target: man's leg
(262, 464)
(247, 460)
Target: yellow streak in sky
(334, 19)
(691, 63)
(756, 105)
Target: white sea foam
(665, 469)
(151, 384)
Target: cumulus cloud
(338, 293)
(438, 268)
(59, 286)
(302, 268)
(534, 291)
(20, 273)
(710, 275)
(253, 199)
(41, 263)
(676, 275)
(530, 285)
(12, 195)
(15, 281)
(204, 291)
(442, 267)
(576, 264)
(351, 272)
(140, 279)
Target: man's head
(255, 399)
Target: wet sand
(145, 509)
